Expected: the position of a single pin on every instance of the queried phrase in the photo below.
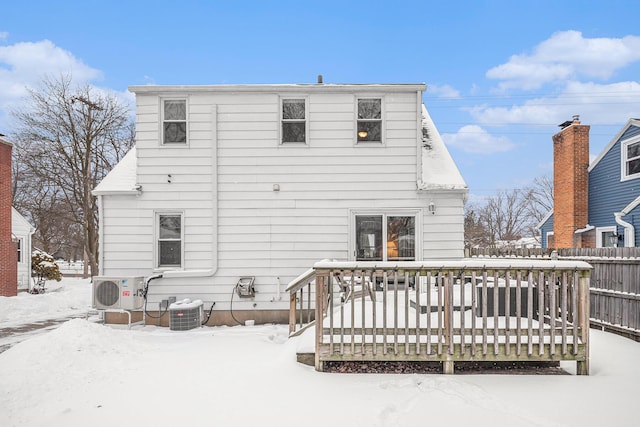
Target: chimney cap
(575, 120)
(319, 79)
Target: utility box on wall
(185, 315)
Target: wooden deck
(446, 312)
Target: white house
(22, 231)
(262, 181)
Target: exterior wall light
(432, 208)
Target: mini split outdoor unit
(122, 293)
(185, 315)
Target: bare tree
(539, 201)
(503, 217)
(508, 215)
(475, 233)
(68, 138)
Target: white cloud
(3, 36)
(595, 103)
(567, 55)
(443, 91)
(474, 139)
(25, 64)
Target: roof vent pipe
(319, 79)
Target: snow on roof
(19, 221)
(439, 171)
(122, 178)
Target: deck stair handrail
(297, 309)
(451, 310)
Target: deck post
(292, 312)
(448, 366)
(319, 318)
(582, 367)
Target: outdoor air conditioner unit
(124, 293)
(185, 315)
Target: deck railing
(468, 310)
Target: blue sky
(501, 75)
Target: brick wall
(8, 252)
(570, 175)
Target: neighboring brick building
(596, 205)
(8, 249)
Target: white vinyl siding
(236, 224)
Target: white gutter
(629, 230)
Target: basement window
(631, 159)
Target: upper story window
(169, 252)
(174, 121)
(369, 120)
(294, 120)
(631, 159)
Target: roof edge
(616, 138)
(319, 87)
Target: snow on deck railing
(452, 310)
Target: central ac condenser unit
(124, 293)
(185, 315)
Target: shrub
(43, 267)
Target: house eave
(427, 188)
(280, 88)
(630, 122)
(116, 192)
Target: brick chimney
(8, 251)
(570, 185)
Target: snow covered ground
(83, 373)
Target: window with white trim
(369, 122)
(174, 121)
(607, 237)
(169, 240)
(631, 159)
(19, 244)
(385, 237)
(294, 120)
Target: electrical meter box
(245, 287)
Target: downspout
(100, 236)
(629, 230)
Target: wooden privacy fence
(615, 282)
(455, 311)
